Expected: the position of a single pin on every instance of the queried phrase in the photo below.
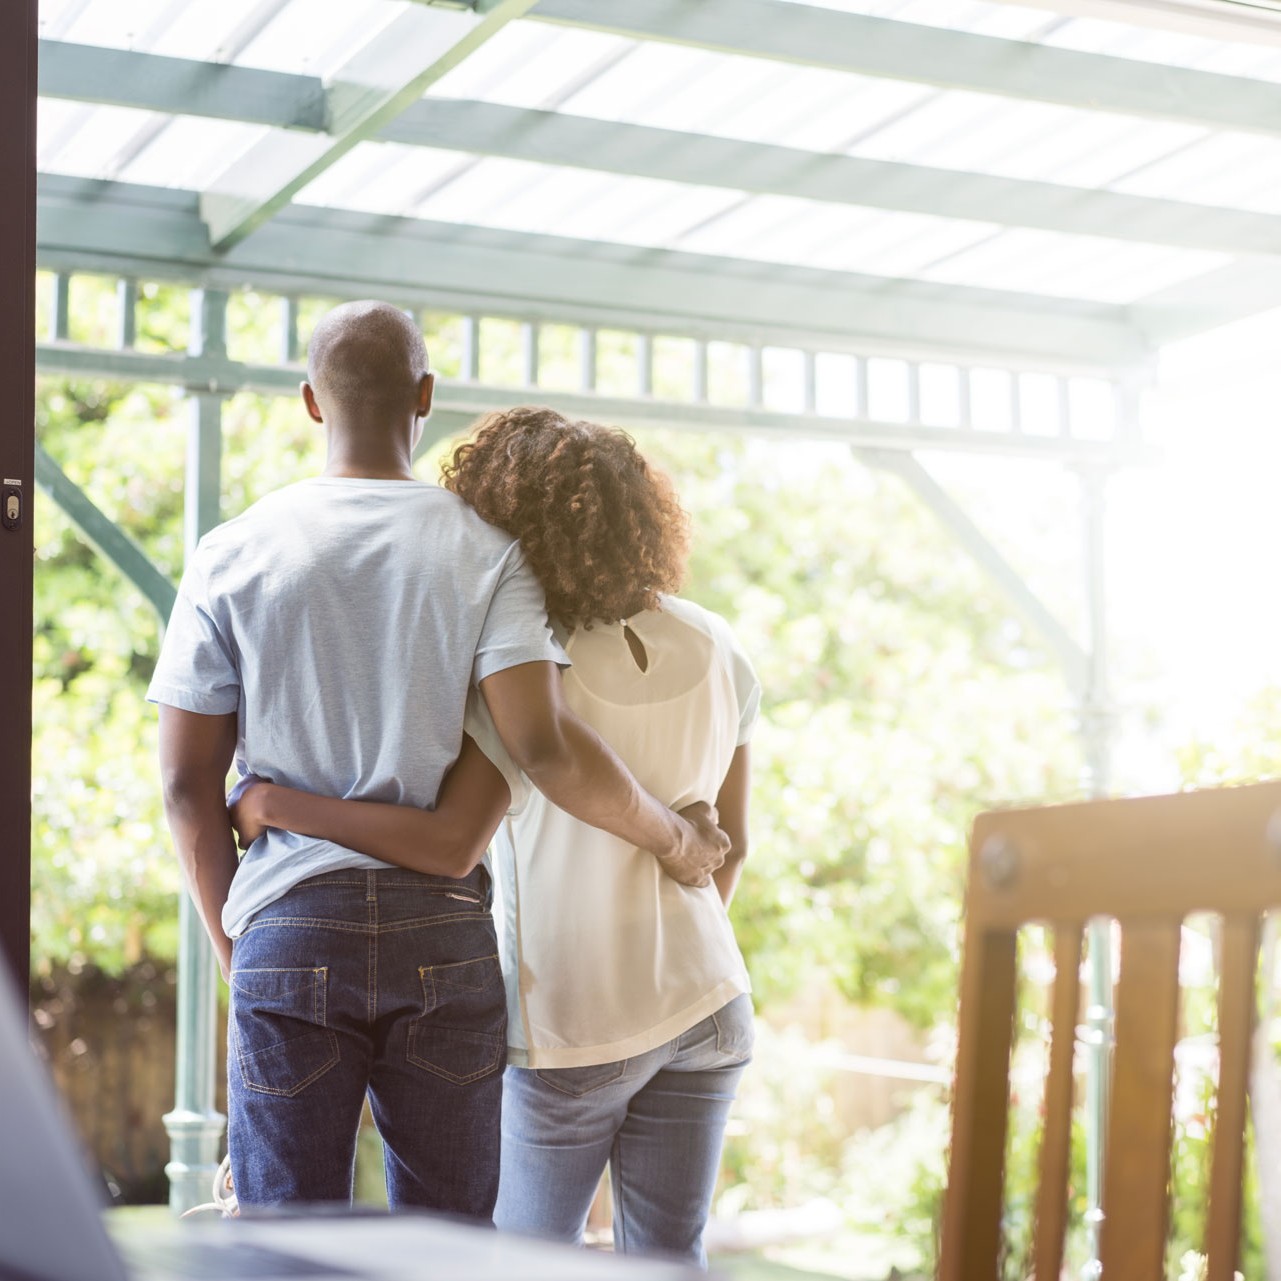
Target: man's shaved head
(366, 355)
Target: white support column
(289, 350)
(126, 314)
(195, 1126)
(60, 311)
(586, 360)
(1096, 722)
(644, 365)
(529, 353)
(471, 349)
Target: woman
(629, 1020)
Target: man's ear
(426, 386)
(309, 399)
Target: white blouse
(604, 955)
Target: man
(326, 639)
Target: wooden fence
(110, 1045)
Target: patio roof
(978, 180)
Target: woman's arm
(447, 841)
(731, 808)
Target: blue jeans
(658, 1120)
(380, 982)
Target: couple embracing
(405, 674)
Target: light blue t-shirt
(344, 620)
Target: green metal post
(195, 1126)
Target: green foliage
(1244, 751)
(102, 887)
(900, 698)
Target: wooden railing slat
(1056, 1142)
(1240, 950)
(1137, 1167)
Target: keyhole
(639, 656)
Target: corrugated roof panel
(216, 32)
(190, 152)
(1015, 22)
(1230, 169)
(83, 141)
(672, 87)
(1097, 150)
(56, 17)
(316, 39)
(1146, 44)
(836, 237)
(669, 86)
(1094, 35)
(122, 24)
(1086, 267)
(520, 196)
(640, 211)
(971, 131)
(382, 177)
(529, 64)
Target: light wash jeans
(658, 1120)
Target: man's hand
(702, 847)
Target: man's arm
(731, 810)
(576, 769)
(195, 754)
(447, 841)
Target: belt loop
(371, 886)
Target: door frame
(18, 27)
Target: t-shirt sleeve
(480, 725)
(747, 686)
(515, 630)
(196, 670)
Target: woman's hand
(248, 813)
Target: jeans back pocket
(735, 1028)
(278, 1016)
(461, 1034)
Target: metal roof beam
(383, 78)
(881, 47)
(458, 404)
(145, 231)
(102, 533)
(1207, 301)
(174, 85)
(181, 86)
(552, 138)
(1248, 23)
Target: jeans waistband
(376, 879)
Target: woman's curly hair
(602, 530)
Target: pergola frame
(244, 232)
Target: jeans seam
(349, 927)
(427, 976)
(371, 968)
(620, 1208)
(299, 1086)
